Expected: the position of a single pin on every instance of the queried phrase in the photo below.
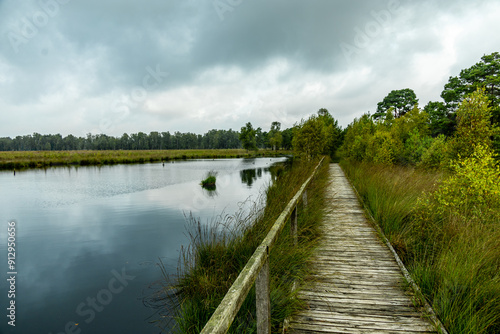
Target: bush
(209, 181)
(471, 194)
(436, 155)
(474, 124)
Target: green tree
(473, 124)
(309, 137)
(332, 132)
(436, 155)
(484, 74)
(401, 101)
(357, 136)
(248, 137)
(274, 135)
(261, 138)
(154, 140)
(287, 135)
(442, 121)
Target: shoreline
(22, 160)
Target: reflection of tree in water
(276, 171)
(248, 176)
(210, 191)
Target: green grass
(209, 181)
(456, 263)
(220, 250)
(390, 193)
(42, 159)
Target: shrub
(436, 155)
(470, 194)
(474, 124)
(209, 181)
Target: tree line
(402, 133)
(213, 139)
(398, 132)
(216, 139)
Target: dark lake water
(88, 239)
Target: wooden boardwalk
(358, 286)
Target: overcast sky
(115, 66)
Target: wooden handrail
(255, 271)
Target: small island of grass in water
(209, 182)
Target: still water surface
(88, 239)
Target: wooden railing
(257, 271)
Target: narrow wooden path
(358, 286)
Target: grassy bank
(219, 251)
(453, 254)
(41, 159)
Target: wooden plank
(366, 309)
(337, 279)
(355, 301)
(372, 291)
(359, 316)
(394, 323)
(263, 300)
(348, 329)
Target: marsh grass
(454, 260)
(210, 180)
(42, 159)
(220, 250)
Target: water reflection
(249, 176)
(211, 190)
(78, 227)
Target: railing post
(293, 225)
(304, 198)
(262, 291)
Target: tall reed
(219, 251)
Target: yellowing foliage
(470, 194)
(474, 124)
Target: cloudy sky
(115, 66)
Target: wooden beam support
(262, 290)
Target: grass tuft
(210, 180)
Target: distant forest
(213, 139)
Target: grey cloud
(91, 54)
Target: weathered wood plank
(362, 308)
(321, 328)
(262, 291)
(378, 318)
(411, 324)
(373, 291)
